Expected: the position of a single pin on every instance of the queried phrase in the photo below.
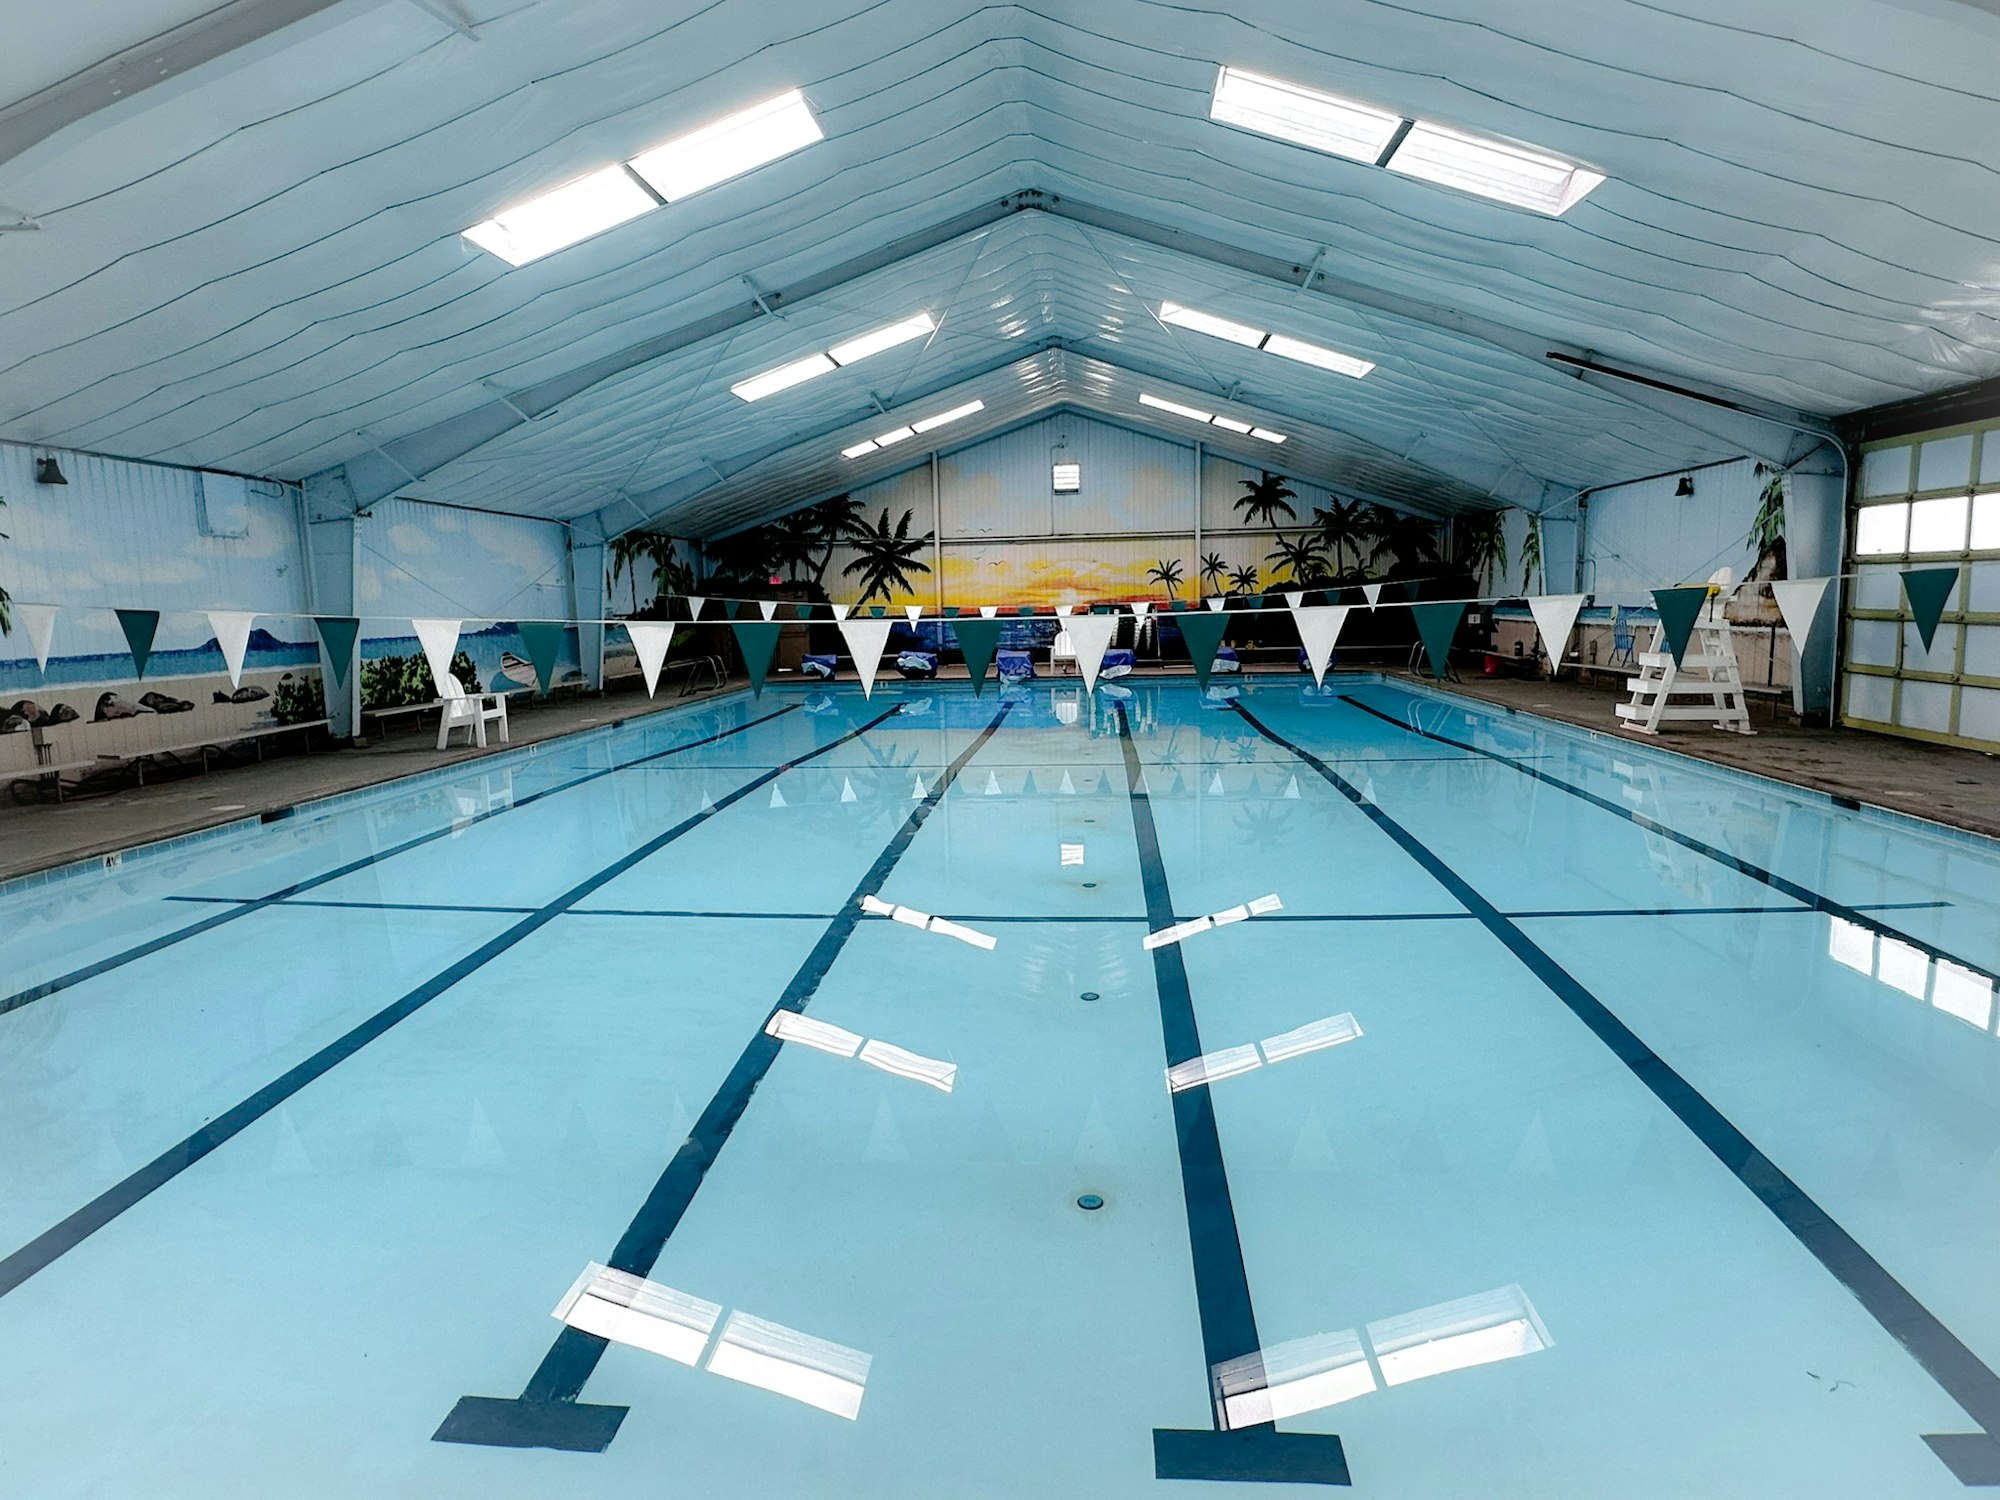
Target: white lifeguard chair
(471, 712)
(1707, 670)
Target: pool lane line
(62, 982)
(1973, 1457)
(1777, 882)
(1221, 1282)
(547, 1413)
(59, 1239)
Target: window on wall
(1926, 502)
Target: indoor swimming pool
(1043, 1093)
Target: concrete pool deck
(1960, 788)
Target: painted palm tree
(1244, 579)
(1213, 569)
(1299, 559)
(1343, 527)
(1479, 542)
(1410, 540)
(884, 556)
(655, 547)
(1166, 573)
(1531, 553)
(1263, 498)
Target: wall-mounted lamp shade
(48, 471)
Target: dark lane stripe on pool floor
(1973, 1457)
(1811, 898)
(62, 982)
(547, 1413)
(60, 1239)
(1256, 1451)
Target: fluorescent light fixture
(1267, 435)
(1313, 354)
(628, 1309)
(1193, 414)
(1230, 424)
(882, 338)
(859, 449)
(1066, 479)
(562, 216)
(1492, 169)
(1306, 117)
(943, 417)
(799, 371)
(1208, 323)
(894, 435)
(731, 146)
(789, 1363)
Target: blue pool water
(1650, 1146)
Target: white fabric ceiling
(257, 266)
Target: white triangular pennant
(1216, 603)
(913, 612)
(1372, 592)
(232, 634)
(840, 611)
(865, 640)
(650, 638)
(1143, 608)
(989, 610)
(1319, 628)
(1294, 598)
(769, 607)
(439, 638)
(41, 622)
(1798, 601)
(1090, 635)
(695, 602)
(1555, 617)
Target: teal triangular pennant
(758, 641)
(339, 632)
(977, 639)
(1437, 623)
(139, 626)
(1679, 608)
(1202, 633)
(544, 640)
(1927, 589)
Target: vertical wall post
(1815, 526)
(937, 538)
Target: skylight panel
(1208, 323)
(1492, 169)
(757, 387)
(1313, 354)
(861, 347)
(1193, 414)
(1306, 117)
(730, 147)
(943, 417)
(562, 216)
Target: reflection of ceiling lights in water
(1325, 1369)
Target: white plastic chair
(471, 712)
(1064, 650)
